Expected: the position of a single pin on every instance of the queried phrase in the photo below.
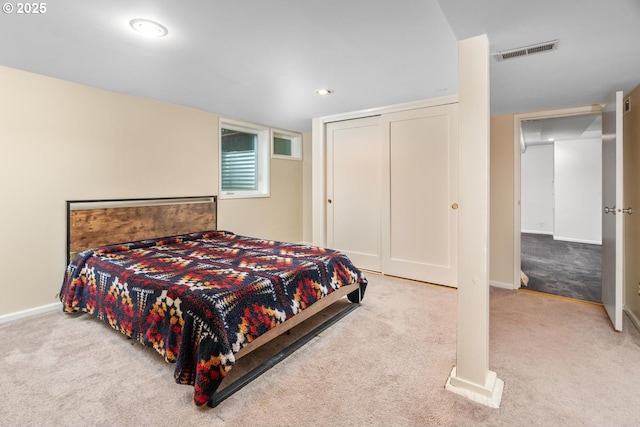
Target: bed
(159, 272)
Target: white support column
(471, 376)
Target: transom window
(287, 145)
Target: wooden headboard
(93, 223)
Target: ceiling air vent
(526, 50)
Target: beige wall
(631, 134)
(501, 205)
(61, 141)
(278, 217)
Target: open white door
(612, 221)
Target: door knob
(454, 206)
(329, 201)
(627, 211)
(610, 210)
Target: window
(244, 160)
(286, 145)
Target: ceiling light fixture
(148, 28)
(323, 92)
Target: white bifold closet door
(392, 192)
(353, 190)
(420, 191)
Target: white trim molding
(423, 103)
(546, 233)
(30, 312)
(633, 317)
(572, 240)
(502, 285)
(490, 395)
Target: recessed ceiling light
(323, 92)
(148, 27)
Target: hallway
(562, 268)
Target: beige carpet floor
(385, 364)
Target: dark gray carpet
(562, 268)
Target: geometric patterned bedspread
(199, 298)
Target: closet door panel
(353, 190)
(419, 224)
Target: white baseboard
(547, 233)
(30, 312)
(633, 317)
(502, 285)
(564, 239)
(570, 239)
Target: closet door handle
(610, 210)
(329, 201)
(627, 211)
(454, 206)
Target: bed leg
(357, 295)
(213, 401)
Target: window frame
(263, 145)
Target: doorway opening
(559, 220)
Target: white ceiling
(261, 60)
(547, 131)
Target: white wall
(561, 190)
(536, 169)
(578, 189)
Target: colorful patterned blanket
(199, 298)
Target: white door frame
(613, 293)
(517, 125)
(319, 150)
